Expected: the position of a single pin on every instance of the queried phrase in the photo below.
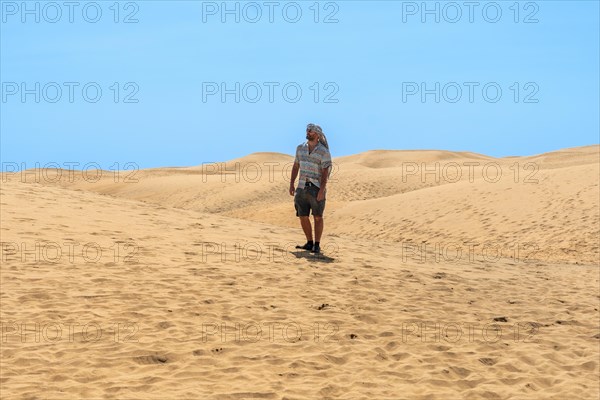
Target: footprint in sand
(151, 359)
(487, 361)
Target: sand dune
(542, 207)
(553, 220)
(153, 266)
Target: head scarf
(317, 129)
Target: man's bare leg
(307, 228)
(318, 228)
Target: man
(313, 161)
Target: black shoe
(307, 246)
(316, 249)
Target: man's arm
(326, 165)
(323, 182)
(324, 177)
(295, 170)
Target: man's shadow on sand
(322, 258)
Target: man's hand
(321, 195)
(292, 189)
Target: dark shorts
(305, 200)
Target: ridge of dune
(261, 158)
(158, 318)
(394, 158)
(568, 157)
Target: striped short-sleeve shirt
(311, 164)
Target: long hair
(322, 139)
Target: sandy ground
(445, 275)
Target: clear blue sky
(371, 61)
